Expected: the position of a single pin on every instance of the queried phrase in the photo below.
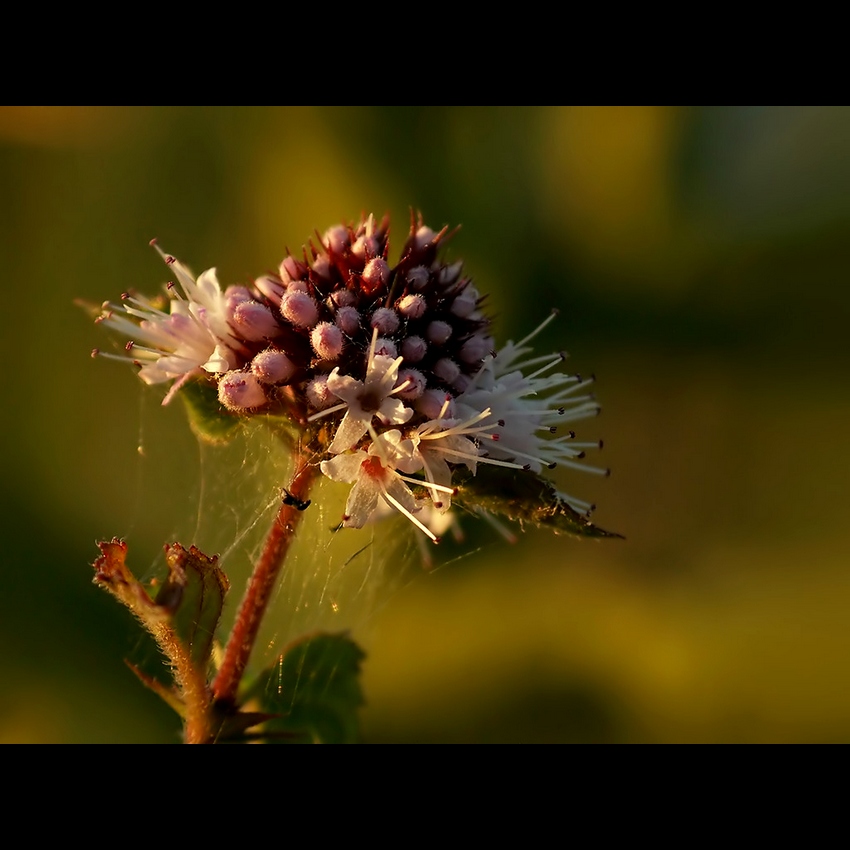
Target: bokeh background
(699, 258)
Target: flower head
(391, 371)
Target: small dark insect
(289, 499)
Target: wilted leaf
(314, 690)
(194, 594)
(182, 618)
(524, 497)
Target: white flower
(193, 337)
(529, 407)
(376, 478)
(442, 441)
(364, 400)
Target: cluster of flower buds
(391, 371)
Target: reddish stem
(260, 587)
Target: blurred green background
(699, 258)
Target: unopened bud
(291, 269)
(464, 304)
(412, 306)
(431, 402)
(413, 348)
(347, 320)
(438, 332)
(413, 382)
(254, 321)
(272, 367)
(449, 274)
(240, 391)
(336, 239)
(300, 309)
(322, 266)
(327, 340)
(385, 320)
(418, 277)
(386, 347)
(376, 273)
(270, 287)
(476, 348)
(424, 236)
(318, 393)
(446, 369)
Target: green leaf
(524, 497)
(207, 419)
(314, 691)
(194, 594)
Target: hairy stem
(262, 583)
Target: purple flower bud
(318, 393)
(464, 304)
(236, 295)
(376, 274)
(300, 309)
(385, 320)
(291, 269)
(438, 332)
(386, 347)
(446, 369)
(412, 306)
(424, 236)
(272, 367)
(476, 348)
(270, 287)
(449, 274)
(431, 402)
(254, 321)
(240, 391)
(341, 298)
(413, 348)
(322, 266)
(461, 382)
(347, 320)
(327, 340)
(336, 239)
(418, 277)
(365, 246)
(414, 382)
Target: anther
(600, 444)
(608, 473)
(553, 430)
(152, 242)
(129, 346)
(169, 260)
(561, 412)
(501, 423)
(572, 435)
(125, 296)
(95, 352)
(580, 455)
(552, 465)
(526, 467)
(563, 355)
